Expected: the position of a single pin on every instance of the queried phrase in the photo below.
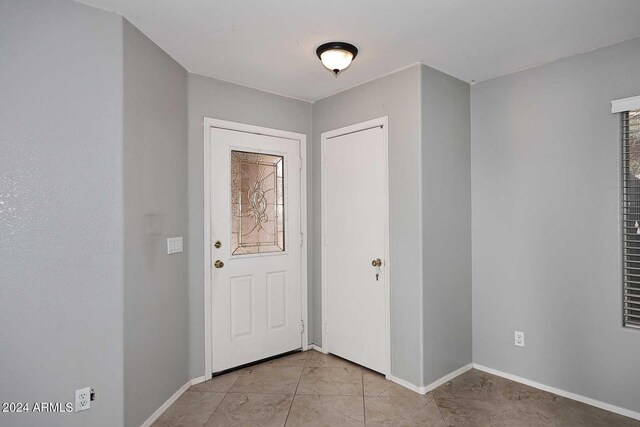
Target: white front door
(354, 233)
(255, 247)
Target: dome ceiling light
(336, 56)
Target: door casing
(384, 123)
(208, 123)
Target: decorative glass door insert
(257, 203)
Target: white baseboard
(406, 384)
(589, 401)
(437, 383)
(317, 348)
(168, 403)
(198, 380)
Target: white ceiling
(270, 44)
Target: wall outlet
(519, 339)
(83, 399)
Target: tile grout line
(214, 411)
(309, 394)
(438, 406)
(225, 396)
(294, 394)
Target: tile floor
(313, 389)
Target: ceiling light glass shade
(336, 59)
(336, 56)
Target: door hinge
(300, 164)
(301, 326)
(301, 239)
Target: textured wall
(546, 237)
(220, 100)
(156, 345)
(446, 223)
(61, 227)
(397, 96)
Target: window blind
(631, 218)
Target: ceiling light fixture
(336, 56)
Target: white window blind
(631, 217)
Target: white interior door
(255, 217)
(355, 232)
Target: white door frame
(208, 123)
(384, 123)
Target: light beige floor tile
(566, 412)
(479, 399)
(326, 411)
(321, 360)
(483, 413)
(475, 384)
(511, 390)
(376, 384)
(331, 395)
(268, 379)
(220, 383)
(402, 411)
(331, 381)
(296, 359)
(192, 409)
(472, 384)
(256, 410)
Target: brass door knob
(218, 264)
(376, 262)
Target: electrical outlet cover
(519, 339)
(83, 399)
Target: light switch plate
(174, 245)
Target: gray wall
(220, 100)
(61, 201)
(397, 96)
(546, 238)
(156, 347)
(446, 223)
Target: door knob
(376, 262)
(217, 244)
(218, 264)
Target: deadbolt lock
(217, 244)
(376, 262)
(218, 264)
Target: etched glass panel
(257, 203)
